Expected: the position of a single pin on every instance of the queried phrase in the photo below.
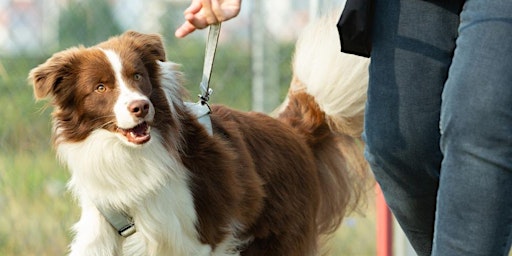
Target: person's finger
(202, 13)
(225, 10)
(205, 15)
(217, 11)
(199, 20)
(194, 7)
(185, 29)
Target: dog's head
(114, 85)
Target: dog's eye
(101, 88)
(137, 77)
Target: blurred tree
(172, 18)
(86, 22)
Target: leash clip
(204, 98)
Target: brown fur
(286, 180)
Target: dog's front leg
(94, 235)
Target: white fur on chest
(147, 182)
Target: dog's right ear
(151, 46)
(47, 77)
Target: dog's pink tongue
(139, 134)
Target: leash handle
(211, 47)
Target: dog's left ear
(149, 44)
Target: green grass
(37, 211)
(356, 236)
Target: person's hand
(202, 13)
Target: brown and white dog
(257, 186)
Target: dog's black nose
(139, 108)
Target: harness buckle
(127, 230)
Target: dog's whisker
(107, 124)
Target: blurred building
(27, 26)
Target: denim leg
(413, 47)
(474, 210)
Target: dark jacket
(355, 27)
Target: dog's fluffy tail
(326, 103)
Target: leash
(120, 220)
(201, 109)
(211, 47)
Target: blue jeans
(438, 125)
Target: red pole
(384, 226)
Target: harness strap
(202, 112)
(119, 220)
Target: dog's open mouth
(138, 134)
